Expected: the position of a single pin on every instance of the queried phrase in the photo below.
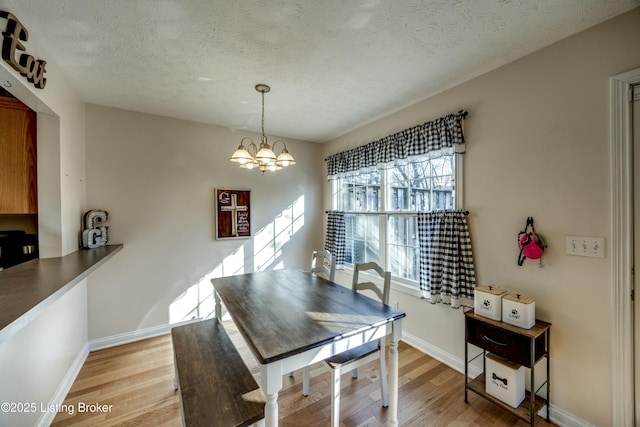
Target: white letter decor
(94, 234)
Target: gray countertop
(29, 288)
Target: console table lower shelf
(523, 411)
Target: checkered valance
(418, 140)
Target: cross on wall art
(233, 214)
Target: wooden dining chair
(352, 359)
(323, 262)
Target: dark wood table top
(28, 288)
(285, 312)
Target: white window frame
(400, 284)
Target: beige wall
(537, 145)
(156, 176)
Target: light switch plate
(585, 246)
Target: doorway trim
(621, 167)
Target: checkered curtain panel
(418, 140)
(336, 234)
(447, 272)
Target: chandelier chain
(263, 137)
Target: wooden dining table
(291, 319)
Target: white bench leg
(176, 384)
(218, 306)
(306, 374)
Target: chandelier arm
(251, 145)
(281, 142)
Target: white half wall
(40, 362)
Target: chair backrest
(383, 293)
(323, 262)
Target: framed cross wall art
(233, 213)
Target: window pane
(362, 239)
(403, 247)
(361, 198)
(373, 199)
(423, 186)
(397, 230)
(345, 196)
(360, 193)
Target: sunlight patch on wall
(270, 239)
(197, 302)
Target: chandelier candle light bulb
(250, 156)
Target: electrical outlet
(585, 246)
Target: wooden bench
(216, 387)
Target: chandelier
(263, 157)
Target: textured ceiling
(333, 65)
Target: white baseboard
(441, 356)
(563, 418)
(58, 398)
(139, 335)
(558, 415)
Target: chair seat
(352, 355)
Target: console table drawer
(504, 343)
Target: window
(381, 208)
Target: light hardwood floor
(135, 383)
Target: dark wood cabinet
(18, 158)
(525, 347)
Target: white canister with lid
(488, 301)
(519, 310)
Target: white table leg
(271, 410)
(271, 383)
(335, 396)
(393, 372)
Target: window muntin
(381, 210)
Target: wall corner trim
(621, 174)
